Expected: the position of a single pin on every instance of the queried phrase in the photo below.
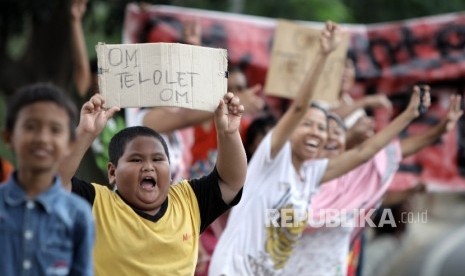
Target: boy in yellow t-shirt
(149, 226)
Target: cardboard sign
(295, 46)
(161, 74)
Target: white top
(323, 249)
(253, 242)
(321, 253)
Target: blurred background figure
(5, 169)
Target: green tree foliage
(375, 11)
(42, 26)
(309, 10)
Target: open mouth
(148, 183)
(331, 146)
(312, 143)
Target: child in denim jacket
(44, 230)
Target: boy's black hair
(333, 116)
(41, 92)
(232, 68)
(93, 66)
(119, 141)
(236, 69)
(259, 126)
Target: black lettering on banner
(158, 77)
(413, 50)
(126, 80)
(180, 95)
(180, 79)
(130, 57)
(116, 57)
(451, 43)
(142, 80)
(166, 95)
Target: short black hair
(93, 66)
(259, 126)
(319, 107)
(333, 116)
(41, 92)
(234, 68)
(119, 141)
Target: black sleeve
(83, 189)
(208, 193)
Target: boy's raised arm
(413, 144)
(179, 118)
(92, 121)
(370, 101)
(231, 161)
(330, 38)
(81, 71)
(356, 156)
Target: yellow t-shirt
(145, 247)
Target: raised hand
(228, 121)
(78, 9)
(412, 109)
(454, 112)
(94, 116)
(192, 32)
(379, 100)
(330, 37)
(253, 104)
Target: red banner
(389, 59)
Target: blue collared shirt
(52, 234)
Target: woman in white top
(283, 173)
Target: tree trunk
(47, 56)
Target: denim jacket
(52, 234)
